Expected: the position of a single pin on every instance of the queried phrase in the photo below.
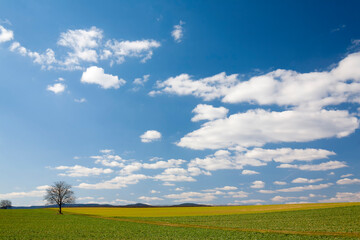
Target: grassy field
(200, 211)
(332, 222)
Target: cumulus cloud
(249, 172)
(344, 197)
(304, 188)
(164, 164)
(305, 180)
(115, 183)
(238, 194)
(208, 112)
(348, 181)
(287, 155)
(175, 175)
(249, 201)
(208, 88)
(221, 159)
(284, 199)
(150, 136)
(38, 192)
(279, 183)
(258, 184)
(46, 60)
(150, 199)
(142, 81)
(224, 159)
(267, 191)
(81, 171)
(258, 127)
(5, 35)
(56, 88)
(83, 47)
(281, 87)
(96, 75)
(316, 167)
(120, 49)
(226, 188)
(82, 42)
(177, 32)
(193, 196)
(347, 175)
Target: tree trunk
(60, 209)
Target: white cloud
(81, 171)
(96, 75)
(249, 201)
(179, 189)
(141, 49)
(287, 155)
(289, 88)
(108, 159)
(208, 112)
(115, 183)
(150, 199)
(348, 181)
(168, 184)
(281, 87)
(106, 151)
(284, 199)
(177, 33)
(192, 197)
(258, 127)
(267, 191)
(5, 34)
(208, 88)
(239, 194)
(154, 191)
(56, 88)
(39, 192)
(305, 180)
(316, 167)
(221, 159)
(164, 164)
(175, 175)
(344, 197)
(83, 43)
(225, 188)
(80, 100)
(279, 183)
(142, 81)
(84, 46)
(258, 184)
(304, 188)
(129, 169)
(84, 198)
(122, 201)
(347, 175)
(46, 60)
(249, 172)
(150, 136)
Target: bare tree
(59, 194)
(5, 204)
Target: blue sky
(236, 102)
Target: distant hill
(136, 205)
(190, 205)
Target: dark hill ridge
(136, 205)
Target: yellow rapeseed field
(197, 211)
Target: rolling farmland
(300, 221)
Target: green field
(316, 221)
